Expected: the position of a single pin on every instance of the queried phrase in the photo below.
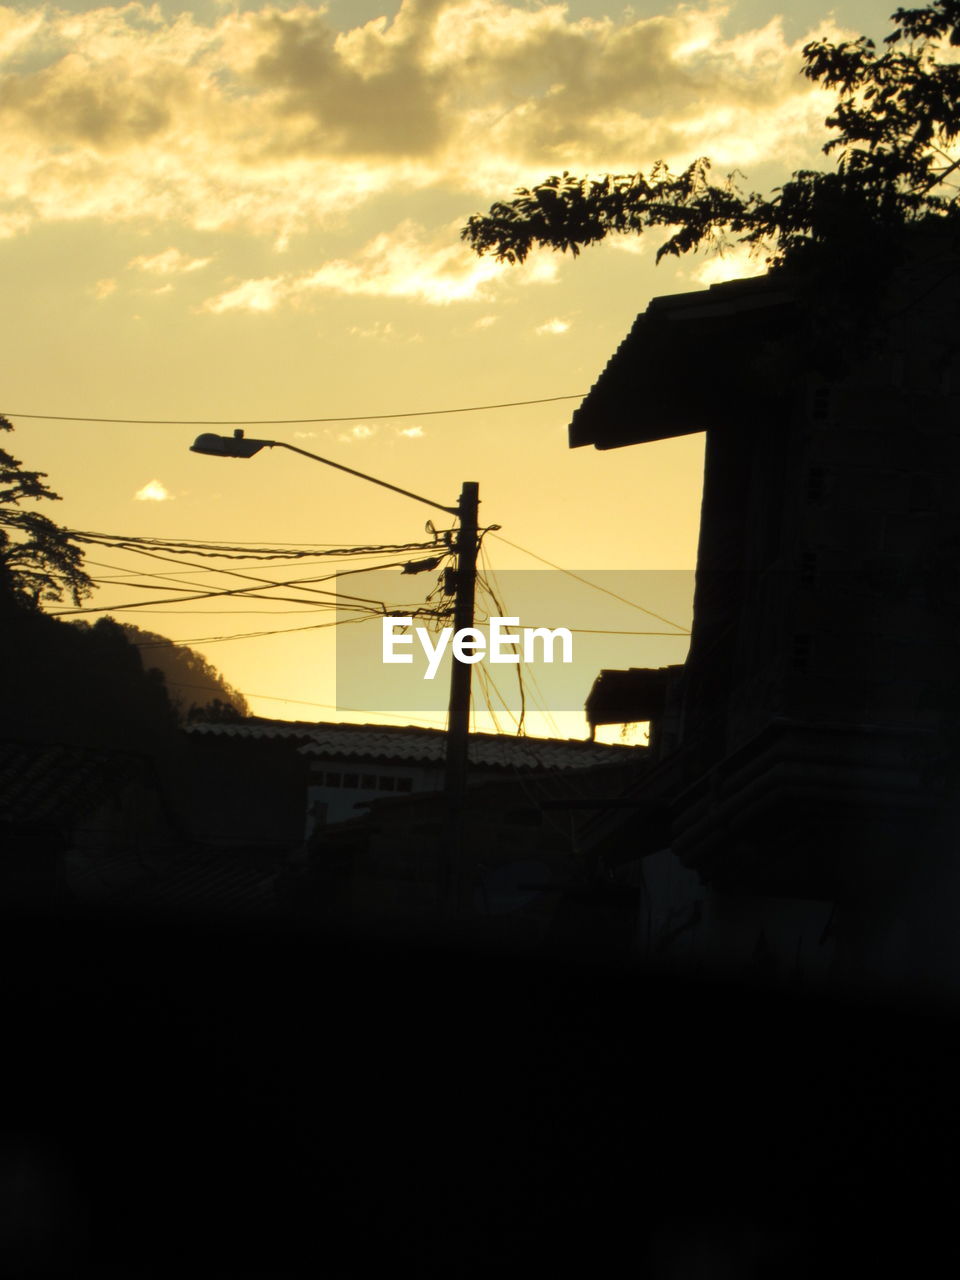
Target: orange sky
(252, 213)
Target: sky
(250, 212)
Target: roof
(631, 696)
(253, 727)
(686, 364)
(414, 744)
(487, 750)
(207, 884)
(52, 784)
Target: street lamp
(458, 717)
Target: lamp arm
(281, 444)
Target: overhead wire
(303, 702)
(244, 551)
(337, 597)
(288, 422)
(309, 605)
(298, 582)
(596, 587)
(121, 572)
(246, 635)
(483, 581)
(525, 672)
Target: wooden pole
(458, 719)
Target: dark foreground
(262, 1104)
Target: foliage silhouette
(81, 685)
(38, 562)
(896, 118)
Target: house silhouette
(805, 747)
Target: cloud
(410, 433)
(407, 262)
(169, 262)
(360, 432)
(264, 294)
(555, 326)
(153, 491)
(376, 330)
(103, 288)
(403, 263)
(628, 244)
(485, 322)
(273, 122)
(733, 264)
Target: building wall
(337, 787)
(242, 791)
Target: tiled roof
(410, 742)
(253, 727)
(490, 750)
(44, 783)
(199, 884)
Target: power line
(303, 702)
(278, 631)
(237, 551)
(245, 635)
(122, 572)
(288, 422)
(373, 606)
(302, 583)
(596, 586)
(226, 613)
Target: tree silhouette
(895, 122)
(38, 562)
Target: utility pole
(458, 717)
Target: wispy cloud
(169, 262)
(154, 491)
(407, 262)
(264, 294)
(103, 288)
(360, 432)
(553, 327)
(410, 433)
(376, 330)
(628, 244)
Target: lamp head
(235, 446)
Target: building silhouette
(806, 748)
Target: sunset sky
(240, 212)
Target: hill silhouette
(194, 685)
